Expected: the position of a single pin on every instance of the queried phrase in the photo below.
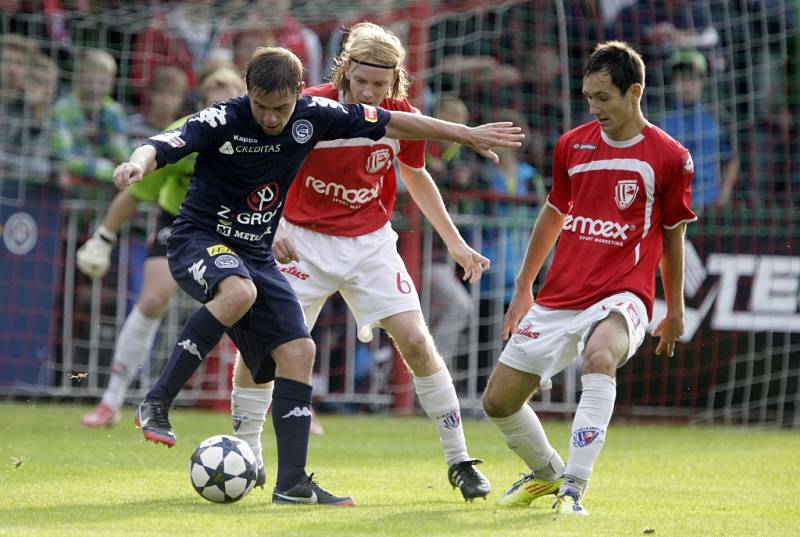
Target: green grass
(677, 480)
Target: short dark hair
(274, 69)
(620, 61)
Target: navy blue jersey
(242, 174)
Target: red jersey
(617, 197)
(348, 187)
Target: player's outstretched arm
(142, 162)
(481, 139)
(670, 328)
(544, 235)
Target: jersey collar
(624, 143)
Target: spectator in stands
(25, 131)
(161, 104)
(247, 38)
(288, 32)
(16, 54)
(707, 140)
(453, 167)
(168, 187)
(90, 131)
(187, 34)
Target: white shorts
(366, 270)
(548, 340)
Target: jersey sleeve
(677, 191)
(412, 152)
(350, 120)
(560, 197)
(198, 133)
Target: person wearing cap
(715, 163)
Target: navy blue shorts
(199, 261)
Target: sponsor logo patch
(584, 436)
(226, 261)
(20, 233)
(173, 138)
(218, 249)
(224, 230)
(302, 131)
(584, 147)
(451, 420)
(370, 113)
(525, 329)
(226, 148)
(294, 271)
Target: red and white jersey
(348, 187)
(617, 197)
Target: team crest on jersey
(378, 160)
(226, 261)
(226, 148)
(625, 192)
(302, 130)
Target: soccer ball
(223, 469)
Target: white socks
(133, 347)
(525, 436)
(437, 395)
(590, 424)
(249, 410)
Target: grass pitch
(57, 479)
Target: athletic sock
(525, 436)
(249, 411)
(291, 418)
(438, 398)
(201, 333)
(590, 424)
(133, 348)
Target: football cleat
(152, 417)
(102, 416)
(568, 502)
(469, 479)
(527, 489)
(261, 476)
(307, 491)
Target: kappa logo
(584, 436)
(625, 192)
(378, 160)
(298, 412)
(214, 116)
(198, 271)
(226, 148)
(302, 131)
(191, 348)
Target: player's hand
(126, 174)
(501, 134)
(283, 247)
(521, 303)
(669, 330)
(94, 257)
(473, 263)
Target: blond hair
(223, 78)
(373, 45)
(98, 59)
(169, 78)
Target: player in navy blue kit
(220, 251)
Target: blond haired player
(336, 237)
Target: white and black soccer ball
(223, 469)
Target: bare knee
(153, 305)
(234, 297)
(497, 405)
(295, 359)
